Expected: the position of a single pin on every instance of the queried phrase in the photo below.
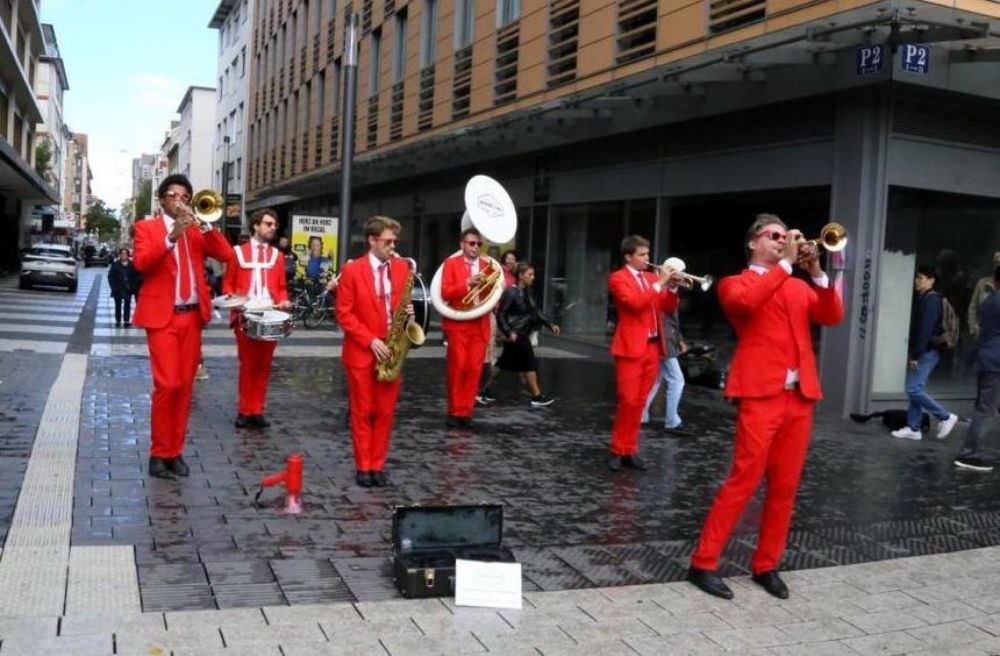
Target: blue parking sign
(915, 58)
(870, 58)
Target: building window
(399, 48)
(239, 119)
(375, 63)
(243, 63)
(508, 11)
(465, 14)
(239, 168)
(428, 33)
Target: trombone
(683, 279)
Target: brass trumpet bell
(832, 237)
(207, 205)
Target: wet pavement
(203, 543)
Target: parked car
(98, 254)
(50, 265)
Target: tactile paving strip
(102, 581)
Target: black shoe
(244, 421)
(634, 462)
(128, 324)
(614, 463)
(708, 581)
(465, 422)
(379, 479)
(158, 468)
(678, 431)
(118, 324)
(484, 401)
(178, 466)
(258, 421)
(541, 401)
(363, 478)
(771, 582)
(454, 422)
(973, 463)
(489, 398)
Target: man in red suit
(773, 379)
(467, 339)
(172, 306)
(368, 294)
(640, 298)
(257, 272)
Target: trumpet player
(640, 298)
(172, 306)
(368, 294)
(257, 271)
(773, 379)
(467, 339)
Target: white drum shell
(449, 312)
(267, 327)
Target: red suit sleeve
(148, 248)
(825, 307)
(742, 295)
(453, 281)
(628, 295)
(281, 290)
(229, 277)
(347, 307)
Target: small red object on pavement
(291, 476)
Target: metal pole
(350, 67)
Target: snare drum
(268, 326)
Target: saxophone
(403, 331)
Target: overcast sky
(128, 63)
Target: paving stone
(692, 644)
(890, 642)
(945, 636)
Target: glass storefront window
(955, 234)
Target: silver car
(49, 265)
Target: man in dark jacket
(122, 279)
(923, 356)
(988, 388)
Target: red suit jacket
(634, 308)
(237, 279)
(155, 303)
(359, 310)
(771, 314)
(453, 289)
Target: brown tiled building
(676, 119)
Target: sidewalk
(892, 549)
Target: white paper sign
(493, 585)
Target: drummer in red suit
(641, 297)
(467, 339)
(172, 306)
(258, 273)
(773, 379)
(368, 294)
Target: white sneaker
(907, 433)
(201, 374)
(945, 426)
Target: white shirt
(377, 270)
(471, 265)
(193, 298)
(258, 282)
(792, 375)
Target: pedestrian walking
(923, 355)
(123, 280)
(518, 320)
(671, 375)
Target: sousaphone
(490, 210)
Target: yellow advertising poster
(314, 242)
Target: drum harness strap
(258, 284)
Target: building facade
(234, 21)
(142, 171)
(51, 142)
(678, 121)
(77, 177)
(21, 187)
(195, 136)
(166, 162)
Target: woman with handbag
(517, 320)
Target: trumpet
(682, 278)
(832, 238)
(207, 206)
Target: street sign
(870, 58)
(915, 58)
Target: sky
(128, 64)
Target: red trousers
(371, 405)
(463, 364)
(174, 351)
(634, 378)
(255, 357)
(772, 435)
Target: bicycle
(311, 304)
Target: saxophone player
(368, 294)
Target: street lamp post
(350, 60)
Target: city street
(892, 549)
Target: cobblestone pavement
(599, 550)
